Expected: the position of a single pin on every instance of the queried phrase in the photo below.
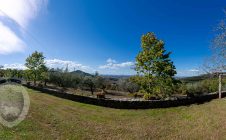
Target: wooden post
(220, 85)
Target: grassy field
(54, 118)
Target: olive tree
(36, 63)
(89, 82)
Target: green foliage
(89, 82)
(27, 75)
(148, 96)
(77, 79)
(182, 89)
(44, 76)
(35, 63)
(128, 85)
(163, 87)
(64, 79)
(131, 87)
(154, 67)
(99, 81)
(11, 73)
(1, 71)
(200, 87)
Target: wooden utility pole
(220, 75)
(220, 85)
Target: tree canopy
(36, 65)
(154, 67)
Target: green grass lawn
(55, 118)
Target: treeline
(10, 73)
(94, 82)
(76, 79)
(84, 81)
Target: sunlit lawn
(55, 118)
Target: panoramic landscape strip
(112, 69)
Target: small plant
(138, 95)
(149, 96)
(181, 89)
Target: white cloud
(57, 63)
(112, 64)
(14, 66)
(111, 60)
(189, 72)
(9, 42)
(194, 70)
(20, 13)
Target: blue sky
(104, 35)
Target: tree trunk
(91, 89)
(35, 79)
(45, 83)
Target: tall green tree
(35, 63)
(154, 67)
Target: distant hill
(116, 76)
(195, 78)
(81, 73)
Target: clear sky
(104, 35)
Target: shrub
(138, 95)
(200, 87)
(181, 89)
(149, 96)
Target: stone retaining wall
(130, 104)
